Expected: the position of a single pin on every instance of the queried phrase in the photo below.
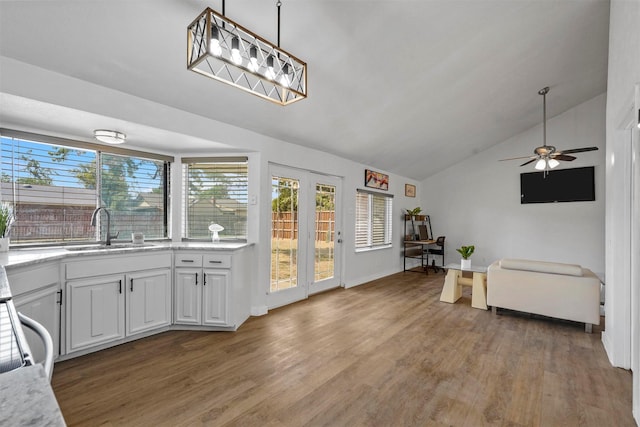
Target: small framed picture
(410, 190)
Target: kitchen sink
(104, 247)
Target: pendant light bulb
(235, 51)
(541, 164)
(214, 43)
(253, 59)
(553, 163)
(271, 73)
(284, 80)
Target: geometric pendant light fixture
(221, 49)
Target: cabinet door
(216, 307)
(148, 300)
(44, 307)
(188, 296)
(95, 311)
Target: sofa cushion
(541, 267)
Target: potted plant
(6, 222)
(466, 251)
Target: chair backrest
(440, 241)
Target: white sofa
(563, 291)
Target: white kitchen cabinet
(44, 307)
(37, 294)
(86, 303)
(102, 308)
(215, 305)
(188, 299)
(202, 289)
(148, 300)
(95, 311)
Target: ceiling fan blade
(516, 158)
(564, 157)
(577, 150)
(530, 161)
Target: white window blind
(54, 185)
(133, 190)
(373, 219)
(215, 192)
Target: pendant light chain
(278, 4)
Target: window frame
(99, 150)
(185, 220)
(369, 217)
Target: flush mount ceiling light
(221, 49)
(109, 136)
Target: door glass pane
(324, 232)
(284, 233)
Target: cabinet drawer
(188, 260)
(217, 261)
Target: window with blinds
(55, 187)
(134, 191)
(374, 220)
(215, 191)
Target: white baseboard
(259, 310)
(366, 279)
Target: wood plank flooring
(387, 353)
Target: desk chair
(439, 251)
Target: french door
(305, 234)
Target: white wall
(477, 201)
(33, 83)
(623, 77)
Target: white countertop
(24, 257)
(26, 398)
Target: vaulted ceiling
(407, 86)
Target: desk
(453, 283)
(411, 248)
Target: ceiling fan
(546, 156)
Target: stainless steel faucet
(94, 216)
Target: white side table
(453, 283)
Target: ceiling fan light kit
(546, 156)
(221, 49)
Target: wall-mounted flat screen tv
(562, 185)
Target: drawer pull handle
(187, 260)
(215, 262)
